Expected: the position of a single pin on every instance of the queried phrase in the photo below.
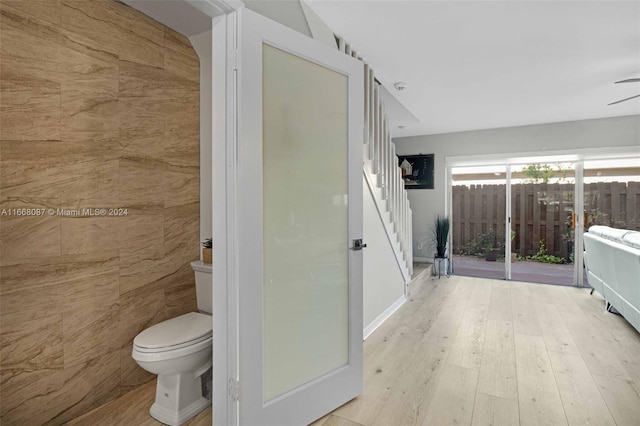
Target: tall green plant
(441, 231)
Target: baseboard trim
(383, 317)
(423, 259)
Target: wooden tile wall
(98, 109)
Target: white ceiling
(482, 64)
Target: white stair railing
(382, 172)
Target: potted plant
(514, 256)
(440, 238)
(489, 245)
(441, 235)
(206, 250)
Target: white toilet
(179, 352)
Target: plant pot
(206, 255)
(441, 251)
(491, 256)
(440, 267)
(514, 257)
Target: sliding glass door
(479, 221)
(543, 222)
(538, 237)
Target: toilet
(179, 352)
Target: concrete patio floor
(528, 271)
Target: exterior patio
(529, 271)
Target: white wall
(202, 43)
(543, 139)
(288, 13)
(383, 281)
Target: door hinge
(234, 389)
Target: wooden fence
(540, 212)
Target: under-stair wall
(388, 259)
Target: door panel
(305, 221)
(297, 208)
(542, 211)
(479, 215)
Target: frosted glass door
(298, 209)
(305, 234)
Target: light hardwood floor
(480, 352)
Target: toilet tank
(204, 286)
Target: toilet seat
(181, 332)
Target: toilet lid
(187, 328)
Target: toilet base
(178, 398)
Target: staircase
(381, 171)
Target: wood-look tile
(454, 397)
(561, 297)
(333, 420)
(538, 395)
(412, 393)
(181, 235)
(180, 292)
(556, 336)
(592, 307)
(576, 385)
(180, 147)
(31, 345)
(89, 234)
(138, 80)
(91, 119)
(497, 375)
(132, 375)
(597, 350)
(143, 143)
(91, 313)
(496, 411)
(46, 11)
(138, 310)
(29, 110)
(421, 309)
(30, 48)
(141, 180)
(466, 350)
(65, 394)
(37, 288)
(30, 236)
(89, 89)
(500, 305)
(132, 408)
(180, 59)
(89, 102)
(413, 371)
(141, 242)
(182, 185)
(381, 375)
(110, 229)
(622, 399)
(115, 28)
(18, 387)
(525, 320)
(82, 166)
(539, 293)
(86, 341)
